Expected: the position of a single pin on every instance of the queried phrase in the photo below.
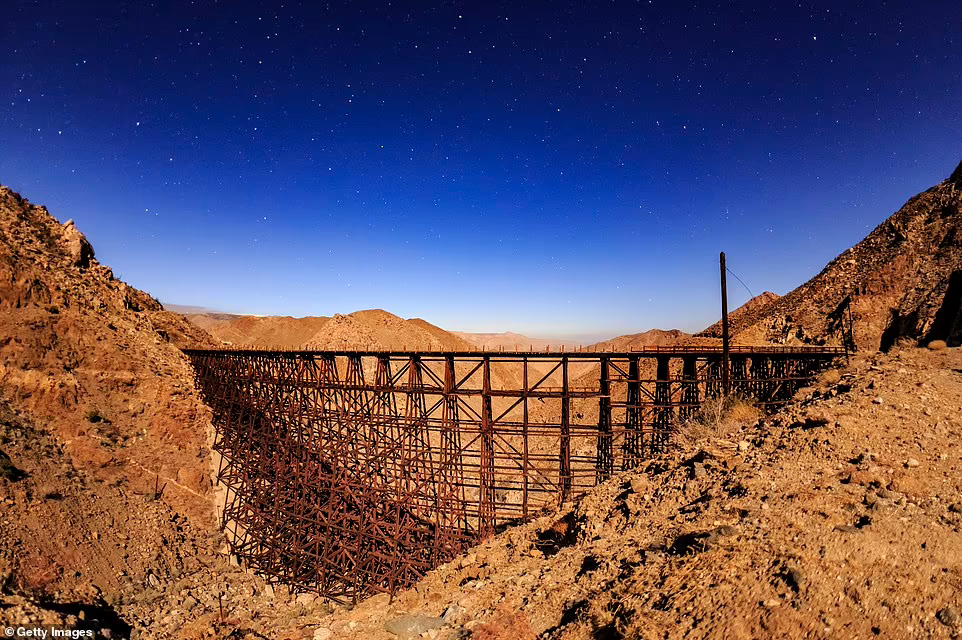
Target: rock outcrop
(80, 250)
(95, 361)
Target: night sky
(548, 168)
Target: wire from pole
(740, 280)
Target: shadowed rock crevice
(947, 324)
(956, 177)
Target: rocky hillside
(903, 281)
(266, 332)
(378, 329)
(99, 417)
(650, 338)
(95, 360)
(743, 315)
(373, 328)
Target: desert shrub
(36, 575)
(717, 418)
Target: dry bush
(716, 419)
(506, 625)
(36, 574)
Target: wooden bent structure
(355, 472)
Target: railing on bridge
(353, 472)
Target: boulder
(79, 249)
(410, 627)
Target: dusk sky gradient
(544, 167)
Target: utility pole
(726, 346)
(850, 343)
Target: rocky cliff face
(95, 362)
(903, 281)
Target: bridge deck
(577, 354)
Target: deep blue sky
(547, 167)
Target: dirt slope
(372, 328)
(378, 329)
(450, 341)
(650, 338)
(904, 280)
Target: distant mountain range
(379, 329)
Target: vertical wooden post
(604, 458)
(447, 494)
(726, 346)
(633, 418)
(524, 438)
(564, 475)
(448, 375)
(689, 396)
(664, 411)
(487, 455)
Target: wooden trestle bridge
(354, 472)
